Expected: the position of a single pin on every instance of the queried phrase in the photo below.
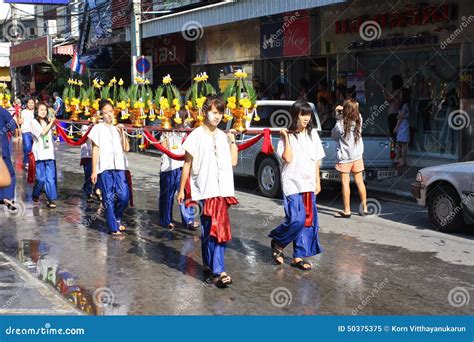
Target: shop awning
(225, 13)
(67, 50)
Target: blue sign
(143, 65)
(38, 2)
(271, 40)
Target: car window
(275, 116)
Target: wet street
(389, 263)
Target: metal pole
(136, 47)
(13, 38)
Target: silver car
(448, 192)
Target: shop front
(227, 48)
(287, 57)
(376, 46)
(26, 58)
(173, 55)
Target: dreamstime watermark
(46, 330)
(192, 30)
(103, 296)
(19, 212)
(375, 290)
(375, 112)
(280, 212)
(457, 209)
(370, 30)
(188, 302)
(459, 296)
(196, 206)
(18, 293)
(281, 297)
(374, 207)
(270, 41)
(465, 21)
(458, 119)
(13, 31)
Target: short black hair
(213, 100)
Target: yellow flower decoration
(79, 83)
(246, 103)
(141, 146)
(120, 82)
(227, 117)
(178, 121)
(240, 74)
(256, 117)
(200, 101)
(167, 79)
(189, 104)
(164, 104)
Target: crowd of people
(204, 178)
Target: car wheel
(445, 210)
(269, 180)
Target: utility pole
(135, 34)
(14, 40)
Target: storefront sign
(31, 52)
(287, 38)
(412, 15)
(169, 51)
(394, 41)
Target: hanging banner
(31, 52)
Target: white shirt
(28, 117)
(175, 145)
(300, 175)
(43, 145)
(86, 148)
(211, 171)
(111, 156)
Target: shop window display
(432, 78)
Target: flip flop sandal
(122, 228)
(51, 205)
(301, 265)
(223, 281)
(276, 254)
(341, 214)
(117, 233)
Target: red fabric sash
(308, 206)
(68, 140)
(267, 146)
(217, 209)
(31, 168)
(128, 175)
(161, 148)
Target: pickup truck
(274, 114)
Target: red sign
(297, 39)
(413, 15)
(31, 52)
(169, 51)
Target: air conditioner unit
(51, 27)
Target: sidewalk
(23, 294)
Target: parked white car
(448, 192)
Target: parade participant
(108, 167)
(169, 181)
(27, 117)
(348, 133)
(8, 126)
(301, 150)
(209, 157)
(43, 151)
(86, 163)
